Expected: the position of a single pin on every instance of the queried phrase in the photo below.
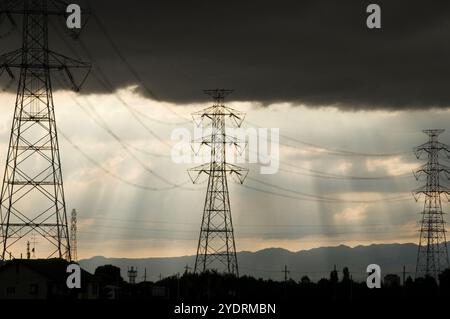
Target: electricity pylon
(32, 197)
(432, 256)
(216, 246)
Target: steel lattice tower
(73, 235)
(32, 196)
(216, 246)
(432, 256)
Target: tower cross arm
(10, 60)
(444, 190)
(210, 112)
(57, 61)
(62, 62)
(240, 172)
(438, 168)
(209, 140)
(196, 172)
(54, 7)
(432, 147)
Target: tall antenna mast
(432, 256)
(32, 196)
(216, 246)
(73, 235)
(34, 242)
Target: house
(43, 279)
(391, 280)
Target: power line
(101, 123)
(98, 120)
(307, 199)
(129, 66)
(331, 151)
(339, 152)
(310, 197)
(326, 199)
(319, 174)
(322, 149)
(119, 178)
(266, 270)
(125, 147)
(171, 229)
(326, 175)
(106, 83)
(187, 237)
(327, 150)
(146, 221)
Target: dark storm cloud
(313, 52)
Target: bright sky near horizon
(119, 220)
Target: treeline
(211, 286)
(214, 286)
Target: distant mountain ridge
(268, 263)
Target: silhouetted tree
(108, 275)
(334, 276)
(409, 282)
(430, 282)
(444, 280)
(305, 280)
(213, 286)
(345, 274)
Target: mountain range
(269, 263)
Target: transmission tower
(32, 196)
(73, 235)
(432, 256)
(216, 246)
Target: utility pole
(186, 269)
(404, 275)
(351, 287)
(216, 245)
(32, 195)
(286, 272)
(432, 255)
(178, 285)
(334, 279)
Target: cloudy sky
(350, 104)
